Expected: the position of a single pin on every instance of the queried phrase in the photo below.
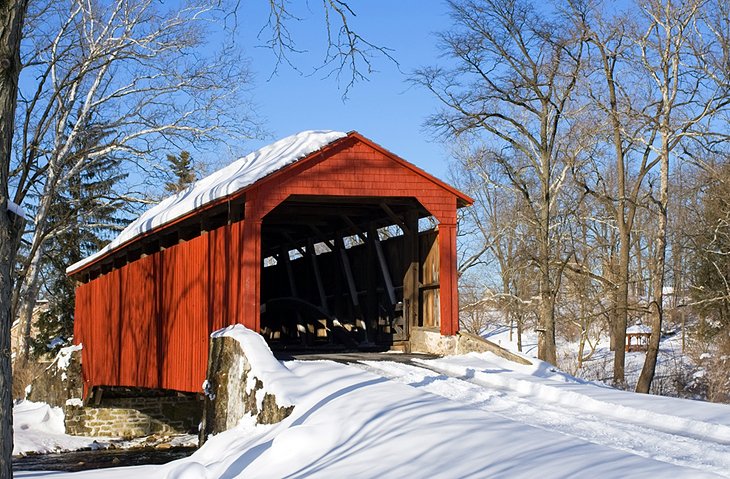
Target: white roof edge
(224, 182)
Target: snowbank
(543, 381)
(476, 415)
(38, 427)
(561, 411)
(277, 379)
(224, 182)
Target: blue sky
(386, 108)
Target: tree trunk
(12, 14)
(624, 220)
(9, 238)
(30, 283)
(640, 267)
(511, 325)
(622, 298)
(612, 293)
(28, 300)
(546, 330)
(581, 344)
(656, 305)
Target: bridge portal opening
(348, 273)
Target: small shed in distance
(290, 241)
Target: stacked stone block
(135, 416)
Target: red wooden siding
(354, 168)
(147, 324)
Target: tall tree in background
(684, 48)
(711, 247)
(504, 239)
(616, 106)
(512, 87)
(112, 81)
(12, 15)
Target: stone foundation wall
(135, 416)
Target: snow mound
(545, 382)
(38, 427)
(277, 379)
(352, 423)
(224, 182)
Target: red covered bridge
(316, 241)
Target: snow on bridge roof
(226, 181)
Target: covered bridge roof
(235, 179)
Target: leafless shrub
(24, 372)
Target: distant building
(637, 338)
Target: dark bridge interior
(344, 273)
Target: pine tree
(182, 170)
(86, 216)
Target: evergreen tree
(182, 170)
(86, 216)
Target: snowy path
(637, 435)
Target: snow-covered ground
(39, 427)
(671, 362)
(462, 416)
(676, 431)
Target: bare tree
(684, 51)
(113, 80)
(515, 76)
(587, 297)
(12, 15)
(348, 55)
(500, 237)
(614, 105)
(709, 245)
